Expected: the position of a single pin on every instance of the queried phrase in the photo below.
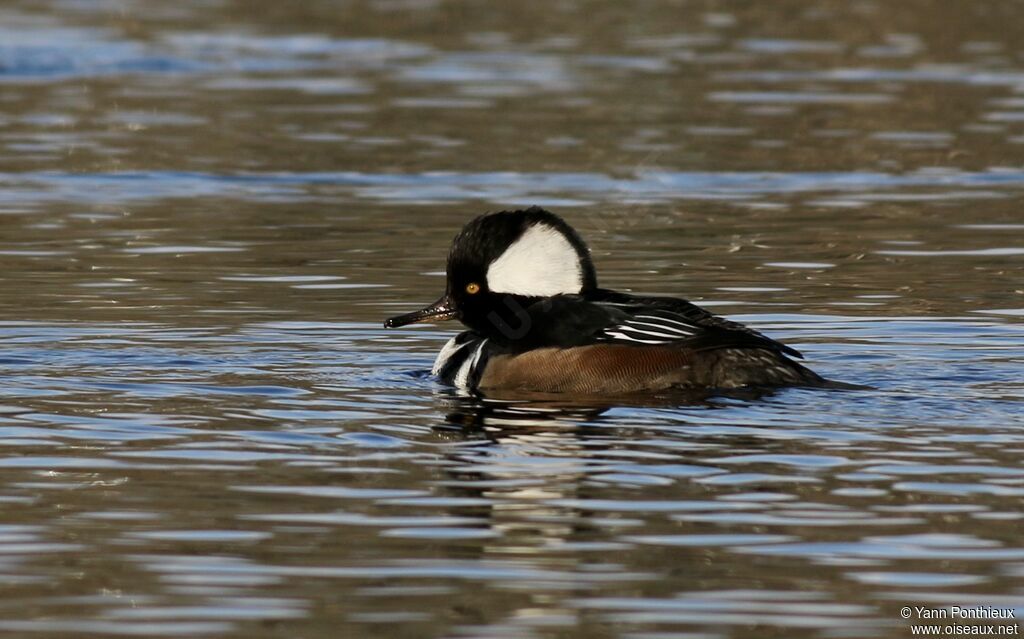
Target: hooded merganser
(524, 285)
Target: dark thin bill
(440, 310)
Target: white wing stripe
(615, 335)
(665, 319)
(661, 327)
(664, 337)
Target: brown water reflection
(207, 209)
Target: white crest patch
(541, 263)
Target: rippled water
(208, 209)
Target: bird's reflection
(538, 460)
(497, 415)
(554, 479)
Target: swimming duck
(523, 284)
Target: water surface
(207, 211)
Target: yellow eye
(472, 288)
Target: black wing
(668, 320)
(604, 316)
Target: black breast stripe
(454, 354)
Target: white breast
(447, 352)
